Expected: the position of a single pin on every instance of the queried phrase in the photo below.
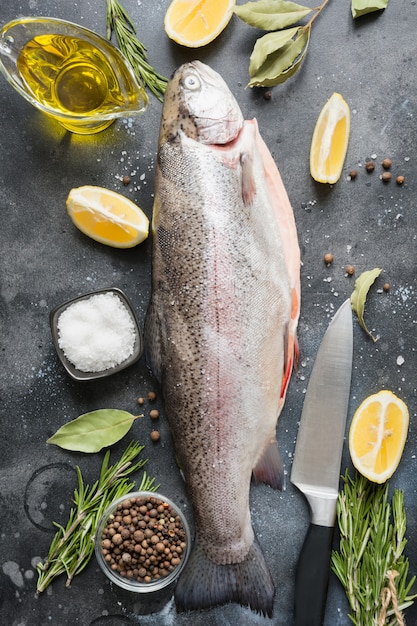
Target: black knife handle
(312, 576)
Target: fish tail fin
(204, 584)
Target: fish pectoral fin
(270, 468)
(248, 179)
(204, 584)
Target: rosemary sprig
(72, 546)
(371, 565)
(119, 22)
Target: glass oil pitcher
(70, 73)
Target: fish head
(199, 103)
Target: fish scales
(217, 331)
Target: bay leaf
(362, 7)
(358, 298)
(271, 14)
(93, 431)
(271, 66)
(267, 45)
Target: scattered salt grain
(96, 333)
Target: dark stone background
(45, 260)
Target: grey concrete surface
(45, 260)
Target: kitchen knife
(316, 465)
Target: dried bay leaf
(93, 431)
(277, 56)
(271, 14)
(359, 294)
(362, 7)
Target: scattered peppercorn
(126, 180)
(154, 414)
(386, 164)
(386, 287)
(268, 95)
(151, 396)
(155, 436)
(353, 174)
(328, 258)
(370, 166)
(400, 180)
(386, 177)
(141, 400)
(144, 539)
(350, 270)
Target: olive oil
(70, 75)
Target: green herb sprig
(277, 55)
(370, 564)
(119, 22)
(73, 546)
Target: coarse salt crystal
(96, 333)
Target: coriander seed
(386, 177)
(386, 164)
(386, 287)
(151, 396)
(328, 258)
(154, 414)
(370, 166)
(353, 174)
(400, 180)
(350, 270)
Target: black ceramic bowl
(77, 374)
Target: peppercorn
(139, 559)
(400, 180)
(353, 174)
(350, 270)
(126, 180)
(386, 177)
(155, 435)
(151, 396)
(386, 164)
(154, 414)
(386, 287)
(370, 166)
(141, 400)
(267, 95)
(328, 258)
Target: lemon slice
(107, 216)
(330, 140)
(195, 23)
(377, 435)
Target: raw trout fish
(220, 332)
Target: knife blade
(317, 459)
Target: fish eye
(191, 82)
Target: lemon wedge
(377, 435)
(107, 216)
(330, 140)
(195, 23)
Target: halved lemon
(330, 140)
(107, 216)
(377, 435)
(195, 23)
